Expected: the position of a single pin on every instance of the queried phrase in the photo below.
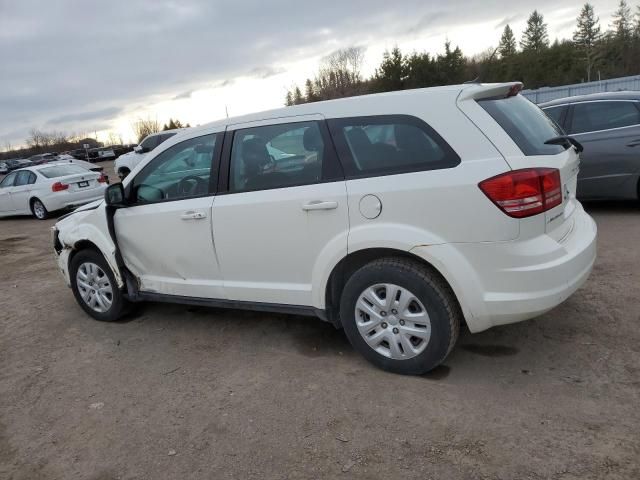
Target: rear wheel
(95, 288)
(400, 315)
(38, 209)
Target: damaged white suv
(395, 216)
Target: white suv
(127, 162)
(395, 216)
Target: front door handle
(319, 205)
(634, 143)
(191, 215)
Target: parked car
(4, 168)
(122, 149)
(79, 154)
(41, 189)
(15, 163)
(100, 154)
(68, 159)
(608, 126)
(395, 216)
(127, 162)
(42, 158)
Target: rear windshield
(525, 123)
(61, 170)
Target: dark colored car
(608, 127)
(43, 158)
(15, 163)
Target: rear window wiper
(565, 140)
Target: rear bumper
(506, 282)
(69, 200)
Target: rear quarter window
(388, 145)
(527, 125)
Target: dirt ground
(178, 392)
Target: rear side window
(23, 178)
(594, 116)
(527, 125)
(556, 113)
(61, 171)
(389, 144)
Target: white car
(395, 216)
(45, 188)
(124, 164)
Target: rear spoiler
(485, 91)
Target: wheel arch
(350, 263)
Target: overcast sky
(96, 66)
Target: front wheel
(95, 288)
(400, 315)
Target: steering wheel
(191, 185)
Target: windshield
(525, 123)
(62, 171)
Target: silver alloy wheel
(393, 321)
(38, 209)
(94, 287)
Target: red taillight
(514, 90)
(59, 186)
(523, 193)
(102, 178)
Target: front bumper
(505, 282)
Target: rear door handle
(319, 205)
(634, 143)
(191, 215)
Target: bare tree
(144, 127)
(114, 139)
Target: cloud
(183, 95)
(62, 63)
(109, 112)
(508, 20)
(265, 72)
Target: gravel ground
(177, 392)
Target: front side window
(385, 145)
(8, 180)
(180, 172)
(595, 116)
(277, 156)
(525, 123)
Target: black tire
(38, 209)
(119, 305)
(428, 287)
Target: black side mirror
(114, 195)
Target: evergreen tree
(587, 35)
(507, 46)
(297, 96)
(309, 94)
(535, 37)
(451, 65)
(622, 23)
(636, 30)
(289, 100)
(391, 74)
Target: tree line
(592, 53)
(40, 141)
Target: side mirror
(139, 149)
(114, 195)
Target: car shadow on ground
(313, 338)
